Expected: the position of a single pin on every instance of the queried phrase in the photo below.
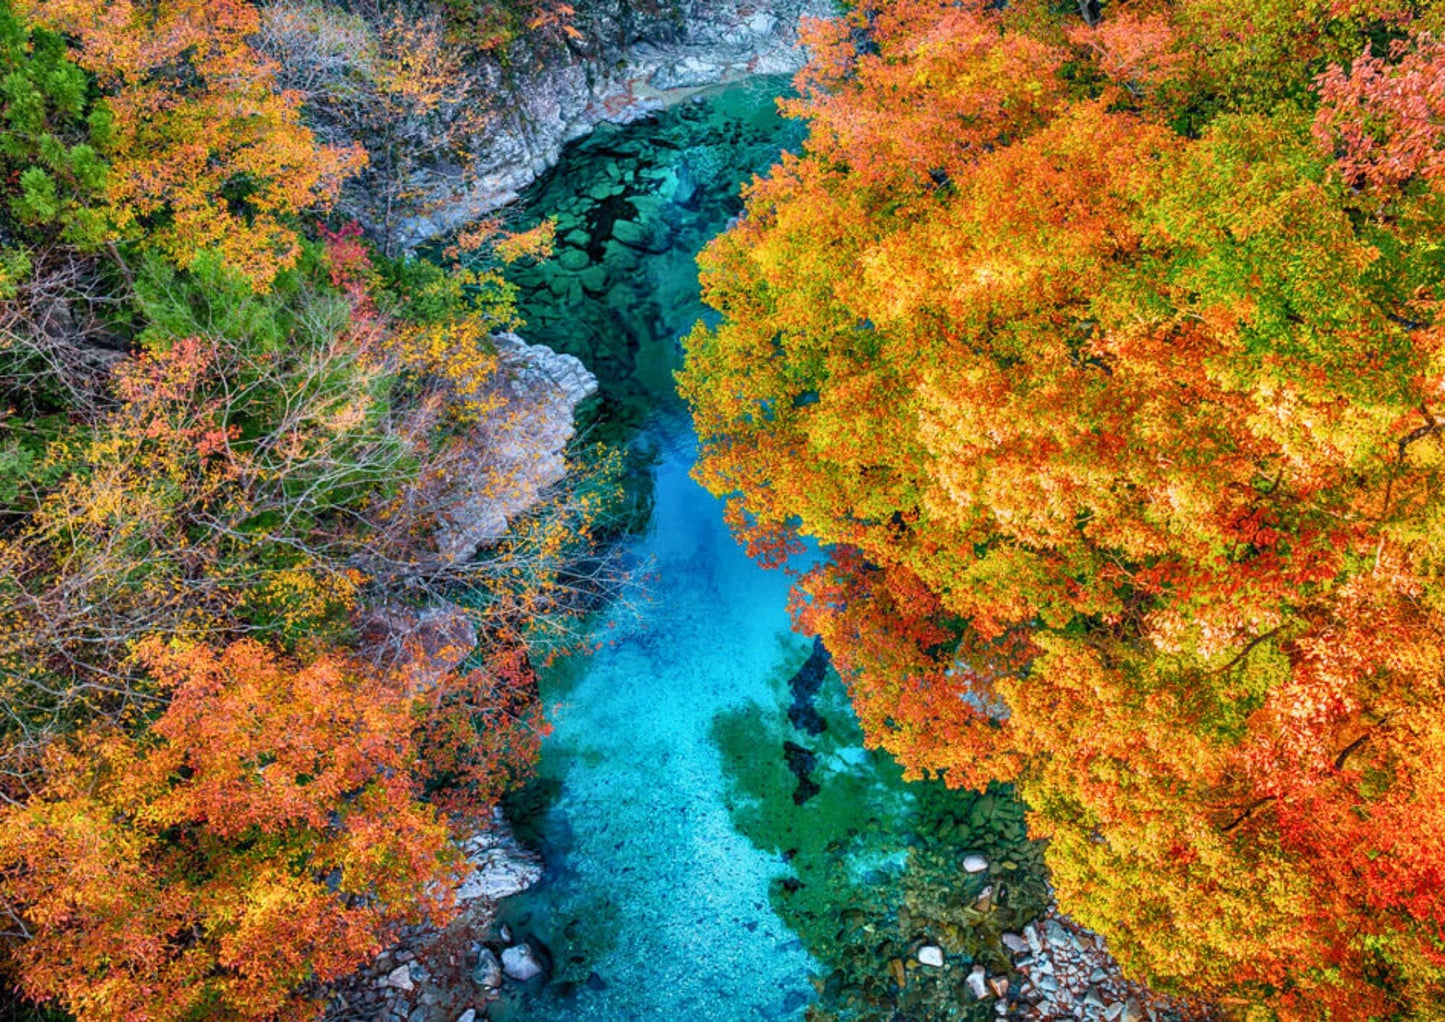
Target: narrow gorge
(718, 844)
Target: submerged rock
(932, 955)
(974, 863)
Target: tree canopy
(1102, 350)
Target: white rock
(1016, 944)
(762, 23)
(974, 864)
(931, 954)
(515, 451)
(520, 962)
(400, 977)
(470, 1015)
(978, 982)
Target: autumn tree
(192, 147)
(392, 82)
(263, 833)
(1103, 349)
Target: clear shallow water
(710, 856)
(652, 890)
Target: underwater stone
(974, 863)
(931, 954)
(594, 279)
(619, 258)
(573, 259)
(631, 233)
(603, 190)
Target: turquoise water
(633, 206)
(652, 891)
(720, 845)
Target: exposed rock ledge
(517, 453)
(520, 451)
(634, 67)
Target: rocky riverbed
(451, 974)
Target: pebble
(488, 972)
(400, 977)
(974, 863)
(931, 954)
(977, 982)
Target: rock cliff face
(520, 451)
(634, 61)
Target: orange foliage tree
(232, 759)
(264, 833)
(1105, 354)
(205, 152)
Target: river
(710, 856)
